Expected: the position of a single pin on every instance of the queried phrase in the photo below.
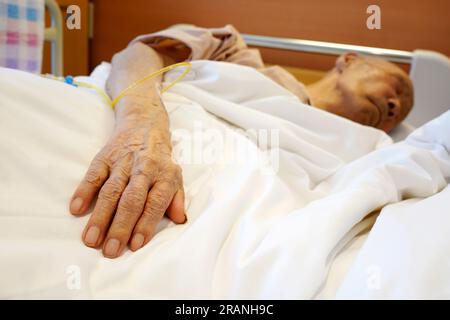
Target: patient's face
(372, 91)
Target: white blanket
(257, 229)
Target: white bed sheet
(251, 234)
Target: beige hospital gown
(220, 44)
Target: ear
(345, 60)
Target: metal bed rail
(329, 48)
(54, 34)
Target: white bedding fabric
(252, 232)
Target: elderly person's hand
(134, 175)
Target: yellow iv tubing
(112, 103)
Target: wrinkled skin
(366, 90)
(134, 175)
(135, 159)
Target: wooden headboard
(405, 24)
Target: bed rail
(54, 34)
(329, 48)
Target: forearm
(143, 103)
(133, 175)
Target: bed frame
(54, 34)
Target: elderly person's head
(367, 90)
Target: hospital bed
(344, 254)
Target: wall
(406, 24)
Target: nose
(394, 115)
(394, 108)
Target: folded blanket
(21, 34)
(185, 42)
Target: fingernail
(91, 236)
(112, 248)
(137, 241)
(75, 206)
